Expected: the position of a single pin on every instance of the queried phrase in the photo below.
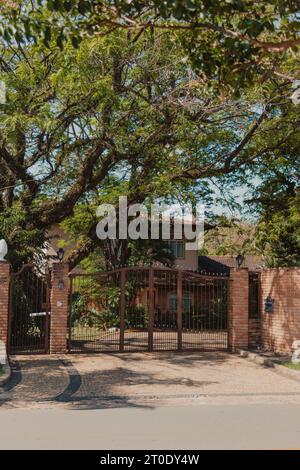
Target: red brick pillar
(280, 327)
(238, 312)
(4, 300)
(59, 308)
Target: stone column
(4, 300)
(238, 311)
(59, 308)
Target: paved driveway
(143, 380)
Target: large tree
(231, 41)
(278, 230)
(119, 115)
(277, 202)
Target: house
(183, 258)
(201, 300)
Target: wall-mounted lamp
(60, 254)
(239, 260)
(61, 284)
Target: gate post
(238, 310)
(4, 300)
(59, 308)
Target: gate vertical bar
(179, 309)
(151, 309)
(122, 308)
(228, 310)
(47, 320)
(70, 315)
(10, 311)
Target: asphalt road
(182, 427)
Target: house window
(177, 248)
(187, 301)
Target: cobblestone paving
(35, 379)
(142, 380)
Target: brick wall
(238, 312)
(281, 328)
(59, 308)
(4, 300)
(278, 330)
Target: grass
(1, 370)
(290, 365)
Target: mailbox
(269, 304)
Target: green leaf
(47, 34)
(60, 41)
(75, 42)
(68, 5)
(83, 7)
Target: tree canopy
(231, 41)
(277, 200)
(130, 112)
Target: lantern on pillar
(3, 249)
(239, 260)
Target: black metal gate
(148, 309)
(29, 323)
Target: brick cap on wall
(281, 268)
(239, 269)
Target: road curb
(267, 362)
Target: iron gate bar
(145, 268)
(210, 329)
(151, 309)
(70, 313)
(122, 310)
(47, 319)
(179, 310)
(35, 288)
